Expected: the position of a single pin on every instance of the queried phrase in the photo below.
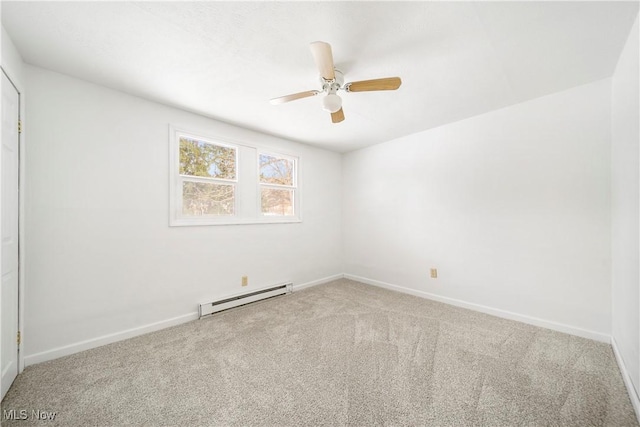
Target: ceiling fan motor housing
(332, 102)
(332, 86)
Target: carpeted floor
(343, 353)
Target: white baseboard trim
(55, 353)
(317, 282)
(633, 394)
(66, 350)
(560, 327)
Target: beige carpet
(343, 353)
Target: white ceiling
(227, 59)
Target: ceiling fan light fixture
(332, 80)
(331, 103)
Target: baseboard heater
(209, 308)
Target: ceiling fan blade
(293, 97)
(323, 57)
(338, 116)
(388, 83)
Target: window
(215, 181)
(277, 184)
(207, 176)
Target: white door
(9, 233)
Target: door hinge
(19, 338)
(19, 126)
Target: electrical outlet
(245, 280)
(434, 273)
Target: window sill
(183, 222)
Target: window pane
(274, 170)
(276, 201)
(203, 198)
(198, 158)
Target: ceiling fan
(332, 80)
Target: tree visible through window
(219, 181)
(208, 174)
(277, 184)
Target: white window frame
(247, 202)
(181, 179)
(293, 187)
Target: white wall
(101, 256)
(512, 207)
(11, 59)
(625, 113)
